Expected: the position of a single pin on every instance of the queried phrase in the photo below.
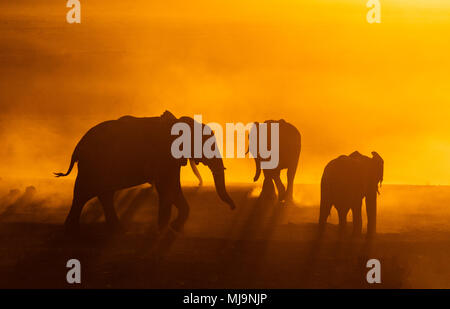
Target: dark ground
(256, 246)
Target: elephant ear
(377, 156)
(167, 119)
(379, 168)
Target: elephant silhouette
(130, 151)
(289, 153)
(345, 182)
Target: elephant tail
(72, 163)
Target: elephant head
(378, 169)
(375, 178)
(372, 170)
(212, 159)
(264, 145)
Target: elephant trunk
(217, 170)
(258, 170)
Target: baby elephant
(345, 182)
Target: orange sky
(344, 83)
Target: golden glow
(344, 83)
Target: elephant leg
(342, 220)
(165, 205)
(268, 189)
(357, 218)
(72, 223)
(183, 211)
(290, 182)
(371, 206)
(107, 201)
(80, 198)
(325, 208)
(165, 210)
(280, 187)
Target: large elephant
(345, 182)
(130, 151)
(289, 145)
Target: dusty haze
(344, 83)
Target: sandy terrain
(256, 246)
